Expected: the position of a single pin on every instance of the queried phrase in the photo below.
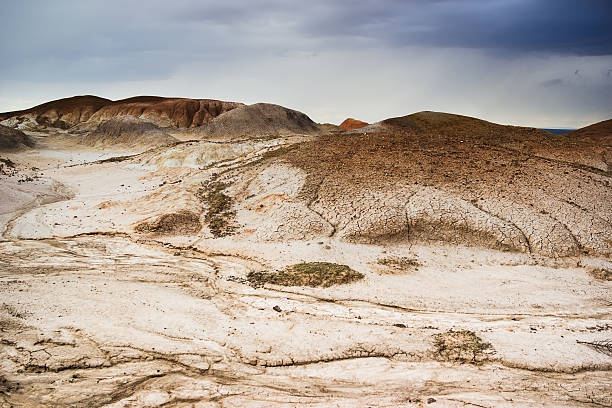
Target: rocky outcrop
(167, 112)
(352, 124)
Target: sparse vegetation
(278, 151)
(462, 346)
(314, 274)
(219, 211)
(399, 263)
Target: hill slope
(259, 120)
(128, 131)
(600, 132)
(433, 177)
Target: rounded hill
(259, 120)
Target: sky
(541, 63)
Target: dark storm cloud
(553, 26)
(157, 35)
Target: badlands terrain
(169, 252)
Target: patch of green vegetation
(462, 346)
(219, 211)
(314, 274)
(399, 262)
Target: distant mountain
(556, 131)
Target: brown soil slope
(600, 132)
(259, 120)
(454, 179)
(173, 112)
(352, 124)
(11, 139)
(590, 146)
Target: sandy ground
(93, 314)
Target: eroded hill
(259, 120)
(166, 112)
(433, 177)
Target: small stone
(277, 308)
(431, 400)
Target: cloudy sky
(544, 63)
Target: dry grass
(462, 346)
(219, 211)
(399, 263)
(314, 274)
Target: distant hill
(352, 124)
(167, 112)
(128, 131)
(259, 120)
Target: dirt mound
(128, 131)
(352, 124)
(259, 120)
(168, 112)
(181, 223)
(440, 178)
(12, 139)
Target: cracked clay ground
(94, 314)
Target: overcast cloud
(528, 62)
